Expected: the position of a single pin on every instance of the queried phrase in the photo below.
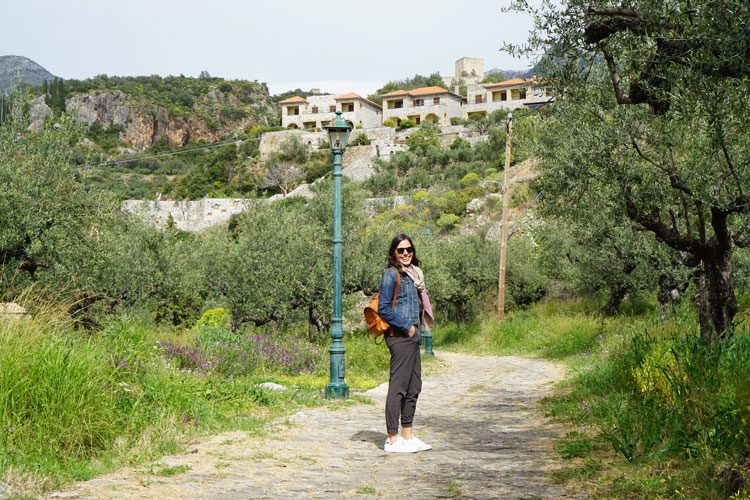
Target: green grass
(651, 411)
(75, 404)
(454, 488)
(166, 470)
(554, 331)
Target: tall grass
(74, 403)
(552, 330)
(673, 413)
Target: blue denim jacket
(406, 312)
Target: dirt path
(481, 415)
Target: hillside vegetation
(632, 267)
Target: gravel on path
(481, 414)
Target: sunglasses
(404, 250)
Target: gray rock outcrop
(38, 113)
(373, 205)
(17, 70)
(11, 310)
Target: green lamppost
(338, 134)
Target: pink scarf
(417, 276)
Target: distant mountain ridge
(15, 70)
(514, 73)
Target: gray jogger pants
(405, 382)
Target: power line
(170, 153)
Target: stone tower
(471, 69)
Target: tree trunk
(670, 292)
(717, 303)
(616, 296)
(316, 325)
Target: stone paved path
(481, 415)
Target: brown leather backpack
(376, 325)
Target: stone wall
(358, 160)
(186, 215)
(271, 142)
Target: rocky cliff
(142, 121)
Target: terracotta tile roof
(395, 93)
(428, 91)
(352, 95)
(293, 100)
(507, 83)
(421, 92)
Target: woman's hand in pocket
(412, 330)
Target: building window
(314, 109)
(396, 104)
(478, 99)
(292, 110)
(522, 94)
(332, 109)
(435, 100)
(418, 102)
(347, 107)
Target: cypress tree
(61, 96)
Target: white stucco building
(317, 111)
(423, 105)
(508, 94)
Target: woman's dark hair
(392, 260)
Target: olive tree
(49, 218)
(652, 112)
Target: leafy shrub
(448, 221)
(459, 143)
(233, 113)
(470, 179)
(423, 139)
(420, 196)
(405, 123)
(526, 281)
(402, 162)
(361, 140)
(317, 167)
(417, 180)
(294, 150)
(215, 317)
(382, 183)
(390, 122)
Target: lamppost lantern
(338, 134)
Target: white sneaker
(400, 445)
(418, 444)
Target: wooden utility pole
(504, 233)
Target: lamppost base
(427, 340)
(337, 391)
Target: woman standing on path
(404, 278)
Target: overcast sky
(335, 45)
